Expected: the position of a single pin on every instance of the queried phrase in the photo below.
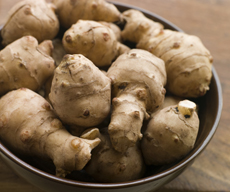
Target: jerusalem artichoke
(95, 41)
(29, 17)
(70, 11)
(24, 63)
(108, 165)
(29, 126)
(138, 80)
(170, 134)
(80, 92)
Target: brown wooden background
(210, 20)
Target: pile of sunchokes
(73, 92)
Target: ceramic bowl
(210, 110)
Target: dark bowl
(210, 111)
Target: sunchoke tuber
(29, 126)
(138, 79)
(29, 17)
(188, 63)
(108, 165)
(24, 63)
(70, 11)
(95, 41)
(80, 92)
(170, 134)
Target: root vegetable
(109, 166)
(29, 17)
(95, 41)
(138, 80)
(97, 10)
(80, 92)
(188, 63)
(170, 134)
(29, 126)
(24, 63)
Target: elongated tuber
(70, 11)
(37, 132)
(24, 63)
(138, 80)
(29, 17)
(95, 41)
(188, 63)
(170, 134)
(80, 92)
(108, 165)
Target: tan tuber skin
(80, 92)
(29, 17)
(114, 28)
(95, 41)
(70, 11)
(37, 132)
(170, 134)
(24, 63)
(138, 80)
(188, 63)
(109, 166)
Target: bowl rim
(144, 180)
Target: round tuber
(170, 134)
(80, 93)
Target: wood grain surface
(209, 20)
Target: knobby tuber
(94, 40)
(70, 11)
(29, 126)
(108, 165)
(138, 79)
(188, 63)
(170, 134)
(80, 92)
(29, 17)
(24, 63)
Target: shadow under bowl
(210, 111)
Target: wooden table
(210, 20)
